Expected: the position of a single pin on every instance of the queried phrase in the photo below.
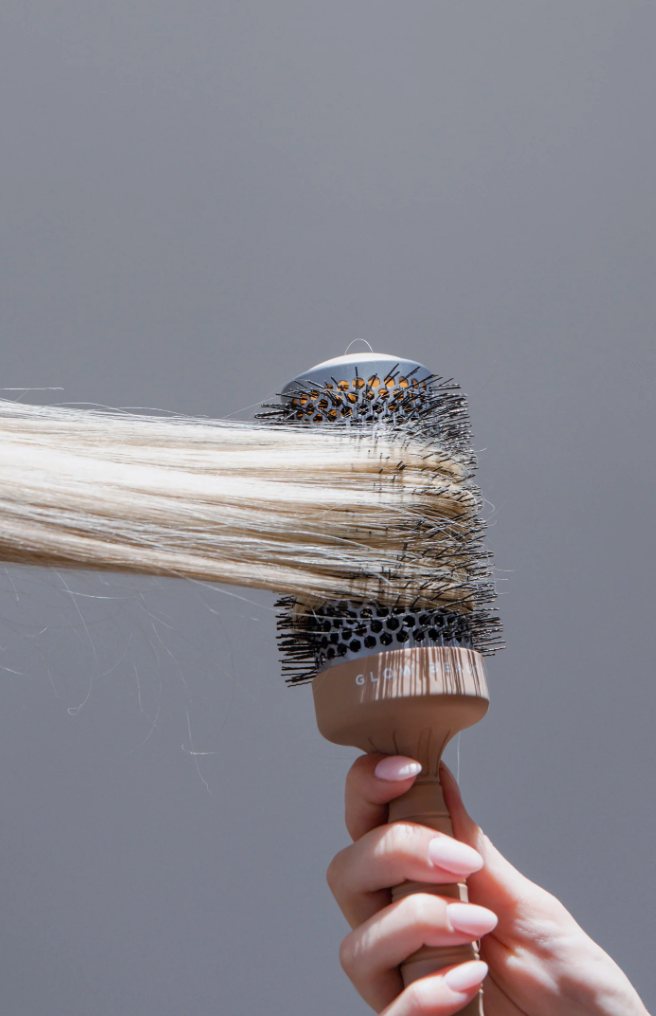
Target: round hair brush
(402, 673)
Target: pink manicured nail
(466, 976)
(470, 919)
(454, 856)
(396, 768)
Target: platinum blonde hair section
(316, 514)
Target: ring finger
(371, 954)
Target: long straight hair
(316, 514)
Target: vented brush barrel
(399, 676)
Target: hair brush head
(379, 395)
(375, 389)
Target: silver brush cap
(366, 366)
(359, 389)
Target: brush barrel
(409, 702)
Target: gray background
(199, 200)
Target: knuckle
(363, 763)
(347, 956)
(334, 872)
(422, 910)
(331, 875)
(401, 838)
(358, 772)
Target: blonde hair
(315, 514)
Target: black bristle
(305, 649)
(452, 610)
(438, 409)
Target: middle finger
(361, 875)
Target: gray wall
(198, 200)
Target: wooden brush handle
(424, 804)
(409, 702)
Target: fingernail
(454, 856)
(466, 976)
(396, 768)
(470, 919)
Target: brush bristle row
(422, 406)
(441, 591)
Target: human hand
(541, 963)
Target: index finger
(372, 782)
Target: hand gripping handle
(409, 702)
(424, 804)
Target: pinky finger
(441, 994)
